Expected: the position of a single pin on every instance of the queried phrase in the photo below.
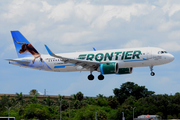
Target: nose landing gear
(152, 73)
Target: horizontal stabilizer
(20, 61)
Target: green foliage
(64, 104)
(130, 89)
(59, 99)
(34, 111)
(77, 104)
(48, 101)
(20, 98)
(90, 101)
(79, 96)
(160, 114)
(102, 102)
(87, 112)
(101, 115)
(33, 99)
(144, 101)
(169, 117)
(5, 102)
(33, 92)
(112, 102)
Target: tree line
(125, 98)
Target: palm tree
(48, 101)
(79, 96)
(33, 92)
(33, 99)
(20, 98)
(60, 98)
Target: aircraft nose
(171, 57)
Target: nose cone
(170, 58)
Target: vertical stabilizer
(23, 47)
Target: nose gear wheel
(152, 73)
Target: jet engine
(108, 68)
(125, 71)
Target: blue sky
(79, 25)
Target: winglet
(49, 51)
(94, 49)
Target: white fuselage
(126, 58)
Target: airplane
(115, 61)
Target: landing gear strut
(101, 77)
(91, 77)
(152, 73)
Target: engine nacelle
(125, 70)
(108, 68)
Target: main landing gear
(101, 77)
(91, 76)
(152, 73)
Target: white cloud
(28, 29)
(75, 37)
(167, 26)
(62, 11)
(133, 44)
(124, 12)
(20, 8)
(170, 46)
(174, 35)
(87, 11)
(171, 8)
(46, 7)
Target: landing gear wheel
(91, 77)
(101, 77)
(152, 73)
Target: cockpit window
(162, 52)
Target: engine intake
(108, 68)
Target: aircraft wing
(83, 63)
(20, 61)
